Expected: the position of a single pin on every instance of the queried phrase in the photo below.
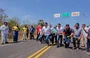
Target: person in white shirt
(47, 31)
(41, 36)
(88, 41)
(59, 35)
(51, 34)
(4, 33)
(84, 35)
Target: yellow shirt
(15, 28)
(24, 30)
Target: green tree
(3, 15)
(40, 21)
(11, 22)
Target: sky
(30, 11)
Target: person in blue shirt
(54, 36)
(32, 30)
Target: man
(84, 35)
(51, 34)
(67, 34)
(47, 32)
(41, 36)
(4, 32)
(24, 33)
(88, 40)
(54, 35)
(77, 35)
(59, 35)
(32, 30)
(27, 32)
(38, 32)
(16, 30)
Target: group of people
(5, 30)
(63, 36)
(48, 34)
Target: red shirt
(38, 29)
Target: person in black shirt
(67, 33)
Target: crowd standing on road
(56, 35)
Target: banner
(57, 15)
(75, 14)
(66, 14)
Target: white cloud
(27, 19)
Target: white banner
(57, 15)
(75, 14)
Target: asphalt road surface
(33, 49)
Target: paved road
(20, 50)
(26, 48)
(61, 52)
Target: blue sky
(31, 11)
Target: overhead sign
(57, 15)
(75, 14)
(66, 15)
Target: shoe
(52, 44)
(77, 48)
(57, 46)
(2, 43)
(88, 53)
(83, 46)
(39, 42)
(74, 48)
(49, 45)
(15, 42)
(61, 44)
(6, 42)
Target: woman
(15, 33)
